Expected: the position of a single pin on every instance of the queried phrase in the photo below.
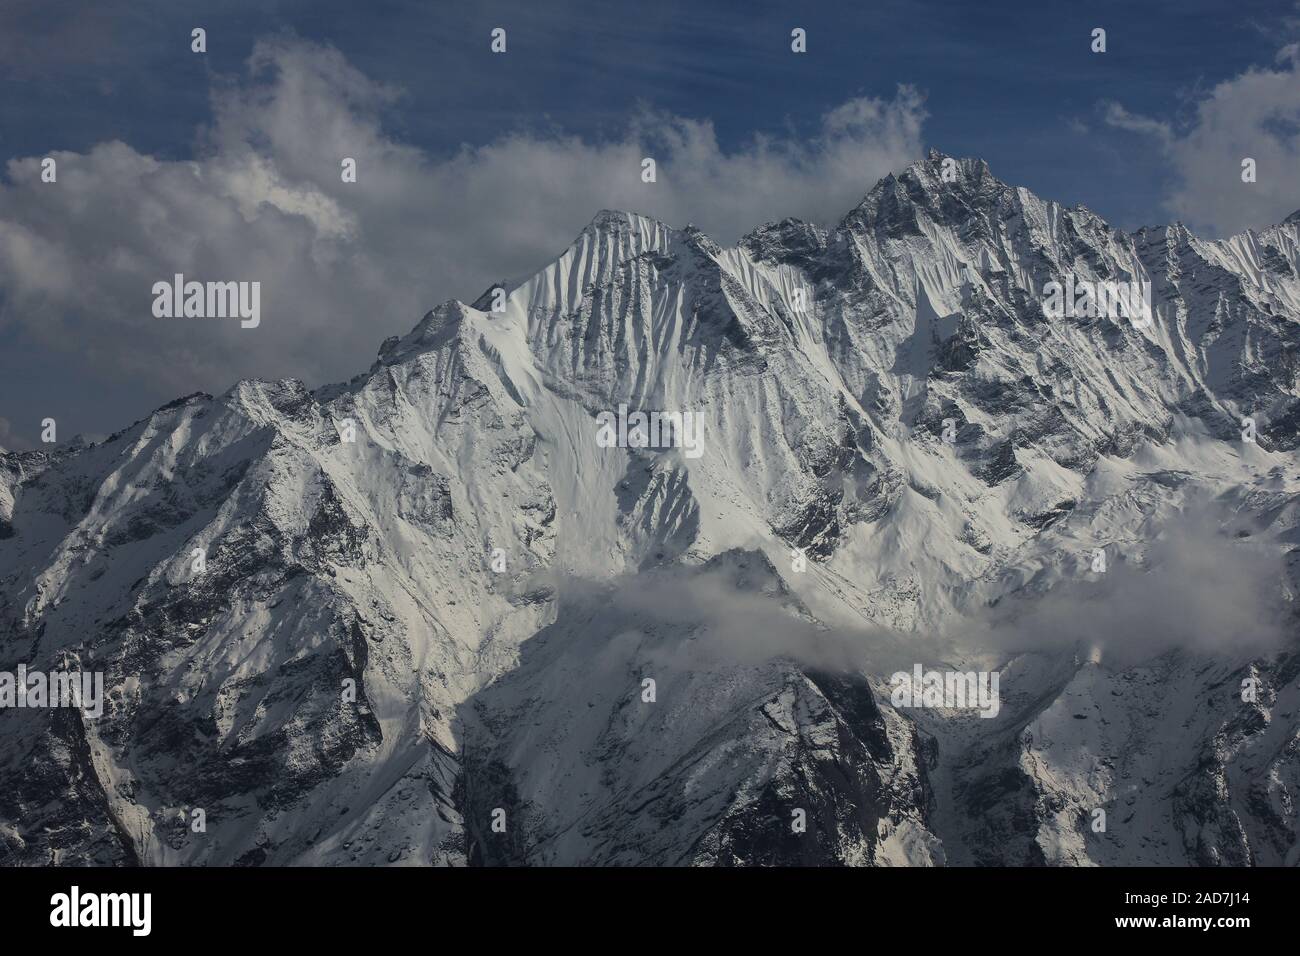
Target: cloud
(343, 265)
(1255, 115)
(1197, 589)
(1115, 115)
(8, 438)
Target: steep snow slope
(431, 594)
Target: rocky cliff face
(430, 598)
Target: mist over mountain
(431, 616)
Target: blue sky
(1008, 81)
(477, 167)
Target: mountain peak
(928, 184)
(430, 329)
(618, 220)
(930, 171)
(461, 532)
(789, 240)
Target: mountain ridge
(445, 532)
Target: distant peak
(969, 168)
(931, 174)
(436, 324)
(785, 241)
(928, 184)
(617, 219)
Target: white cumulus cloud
(1252, 116)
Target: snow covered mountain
(438, 620)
